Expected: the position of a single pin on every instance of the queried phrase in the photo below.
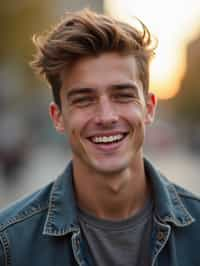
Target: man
(110, 206)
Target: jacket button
(160, 235)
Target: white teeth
(105, 139)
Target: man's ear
(151, 103)
(56, 117)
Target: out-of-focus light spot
(174, 23)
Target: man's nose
(106, 113)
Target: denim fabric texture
(42, 229)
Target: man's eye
(82, 101)
(124, 96)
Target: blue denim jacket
(42, 229)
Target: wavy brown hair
(86, 33)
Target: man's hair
(86, 33)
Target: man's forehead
(108, 68)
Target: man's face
(103, 112)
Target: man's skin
(103, 97)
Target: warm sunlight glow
(174, 23)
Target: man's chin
(108, 168)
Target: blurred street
(47, 162)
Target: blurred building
(189, 97)
(187, 102)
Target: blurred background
(31, 152)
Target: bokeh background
(31, 152)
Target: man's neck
(112, 197)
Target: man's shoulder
(171, 195)
(190, 200)
(187, 194)
(25, 208)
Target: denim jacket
(42, 229)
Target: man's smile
(107, 139)
(108, 142)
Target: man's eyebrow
(77, 91)
(125, 86)
(71, 92)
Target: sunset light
(174, 23)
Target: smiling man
(110, 206)
(104, 111)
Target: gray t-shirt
(119, 243)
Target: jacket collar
(62, 215)
(62, 212)
(168, 205)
